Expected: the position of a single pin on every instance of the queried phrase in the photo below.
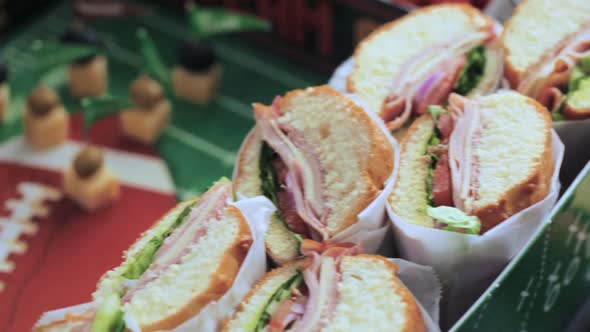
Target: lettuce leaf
(137, 264)
(283, 293)
(472, 71)
(455, 219)
(109, 317)
(268, 177)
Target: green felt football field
(202, 141)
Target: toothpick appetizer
(46, 121)
(198, 73)
(88, 181)
(88, 75)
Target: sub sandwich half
(320, 158)
(547, 44)
(469, 167)
(416, 61)
(187, 260)
(333, 289)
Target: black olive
(196, 56)
(86, 37)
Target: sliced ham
(210, 207)
(305, 177)
(321, 278)
(463, 159)
(442, 63)
(555, 68)
(286, 201)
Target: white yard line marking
(235, 106)
(231, 54)
(226, 157)
(132, 169)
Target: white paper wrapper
(468, 263)
(338, 79)
(59, 314)
(372, 226)
(257, 211)
(425, 287)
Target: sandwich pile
(303, 157)
(472, 165)
(335, 288)
(186, 261)
(406, 65)
(547, 45)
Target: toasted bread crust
(470, 10)
(146, 232)
(247, 173)
(222, 279)
(379, 164)
(532, 190)
(414, 319)
(268, 276)
(511, 73)
(380, 156)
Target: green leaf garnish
(472, 71)
(109, 317)
(455, 219)
(96, 108)
(152, 64)
(269, 182)
(208, 22)
(584, 64)
(49, 53)
(436, 111)
(283, 293)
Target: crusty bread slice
(253, 305)
(409, 198)
(281, 244)
(202, 275)
(371, 298)
(381, 55)
(536, 28)
(66, 325)
(110, 283)
(356, 169)
(515, 161)
(515, 156)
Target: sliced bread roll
(513, 157)
(319, 122)
(385, 52)
(369, 297)
(537, 29)
(187, 260)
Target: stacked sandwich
(186, 261)
(470, 159)
(416, 61)
(322, 159)
(547, 45)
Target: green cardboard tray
(542, 288)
